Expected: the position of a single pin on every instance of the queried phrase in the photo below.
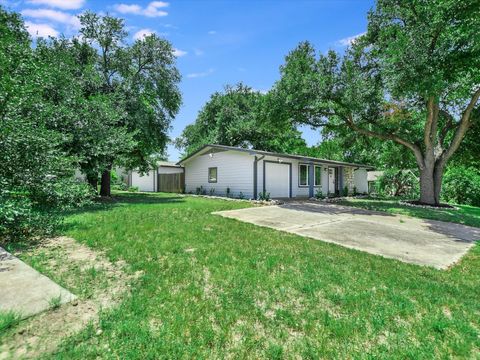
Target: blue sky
(217, 42)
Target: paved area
(24, 290)
(418, 241)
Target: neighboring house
(216, 168)
(166, 177)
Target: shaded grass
(467, 215)
(219, 288)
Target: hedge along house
(220, 169)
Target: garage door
(277, 180)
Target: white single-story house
(220, 169)
(152, 180)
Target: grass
(467, 215)
(218, 288)
(55, 302)
(8, 320)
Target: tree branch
(449, 125)
(430, 130)
(415, 148)
(462, 128)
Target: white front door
(277, 180)
(331, 180)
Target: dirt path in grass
(98, 283)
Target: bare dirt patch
(98, 283)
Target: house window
(212, 175)
(303, 177)
(318, 175)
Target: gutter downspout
(311, 179)
(255, 176)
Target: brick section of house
(348, 178)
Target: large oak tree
(413, 78)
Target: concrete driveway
(417, 241)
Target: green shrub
(200, 191)
(355, 191)
(319, 194)
(396, 182)
(117, 182)
(345, 191)
(212, 191)
(265, 196)
(241, 195)
(133, 189)
(461, 185)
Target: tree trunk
(431, 184)
(105, 185)
(437, 178)
(93, 182)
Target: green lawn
(217, 288)
(468, 215)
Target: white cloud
(179, 53)
(153, 9)
(349, 40)
(198, 52)
(200, 74)
(40, 30)
(140, 34)
(53, 15)
(212, 32)
(61, 4)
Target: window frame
(308, 175)
(315, 176)
(216, 175)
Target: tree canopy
(142, 80)
(86, 103)
(236, 117)
(413, 79)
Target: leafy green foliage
(397, 182)
(264, 196)
(142, 80)
(319, 194)
(462, 186)
(237, 117)
(411, 79)
(36, 172)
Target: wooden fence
(171, 183)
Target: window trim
(315, 175)
(308, 175)
(320, 166)
(216, 175)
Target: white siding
(147, 182)
(234, 171)
(170, 170)
(297, 190)
(360, 179)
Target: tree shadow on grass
(121, 199)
